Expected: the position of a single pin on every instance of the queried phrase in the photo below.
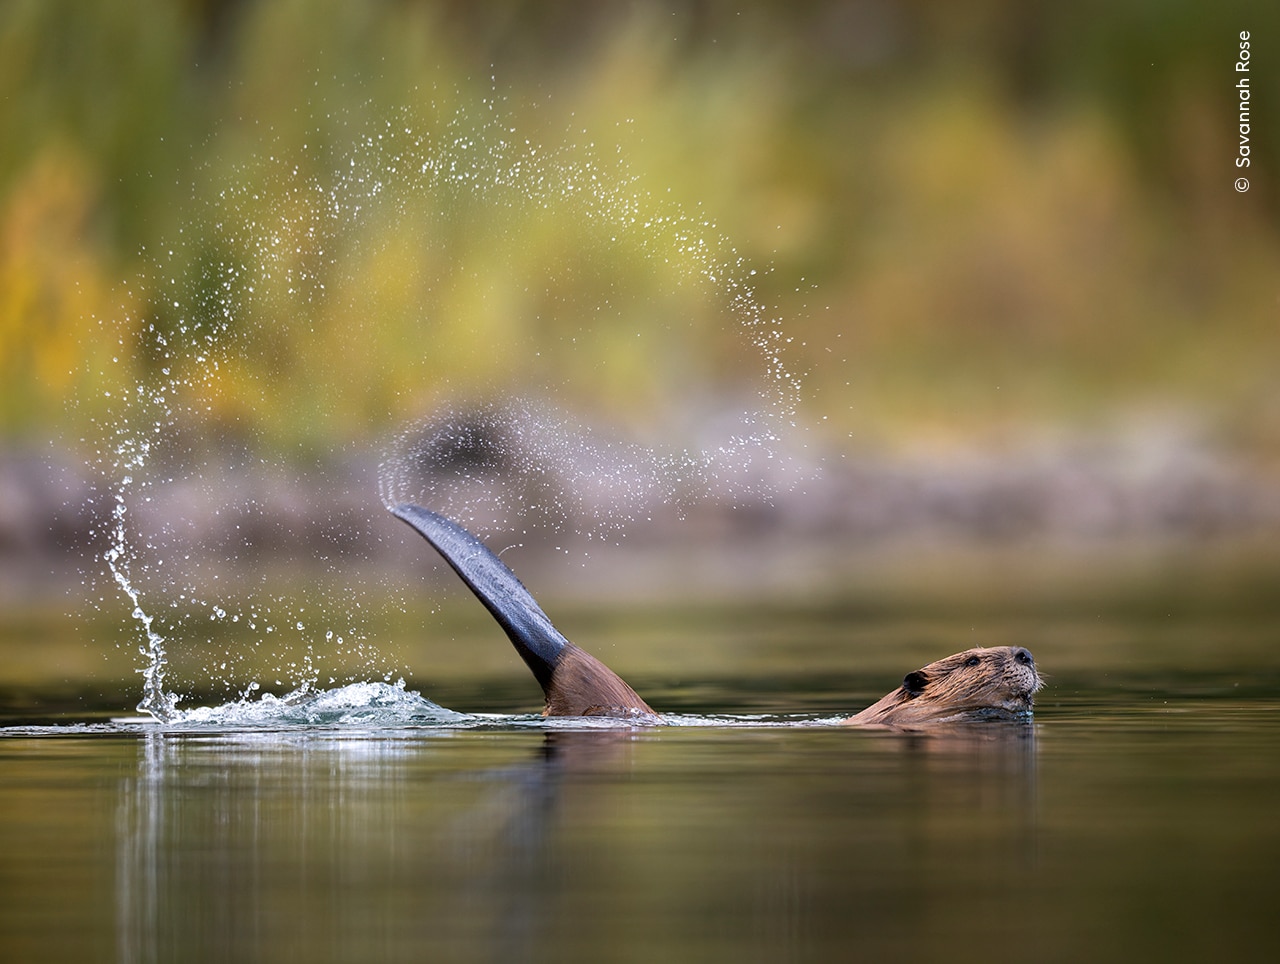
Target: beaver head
(986, 683)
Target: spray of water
(290, 244)
(155, 700)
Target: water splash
(356, 704)
(307, 240)
(155, 700)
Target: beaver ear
(914, 683)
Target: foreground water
(1134, 819)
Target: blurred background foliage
(978, 216)
(1028, 305)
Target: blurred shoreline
(1071, 506)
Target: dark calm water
(1135, 819)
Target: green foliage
(977, 215)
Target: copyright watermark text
(1243, 92)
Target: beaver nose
(1024, 657)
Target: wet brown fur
(986, 683)
(581, 685)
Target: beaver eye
(914, 683)
(972, 661)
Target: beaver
(987, 683)
(984, 683)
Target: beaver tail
(573, 681)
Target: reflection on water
(1128, 822)
(212, 830)
(520, 846)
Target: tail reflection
(453, 844)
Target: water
(1134, 819)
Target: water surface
(1133, 819)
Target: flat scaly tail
(573, 681)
